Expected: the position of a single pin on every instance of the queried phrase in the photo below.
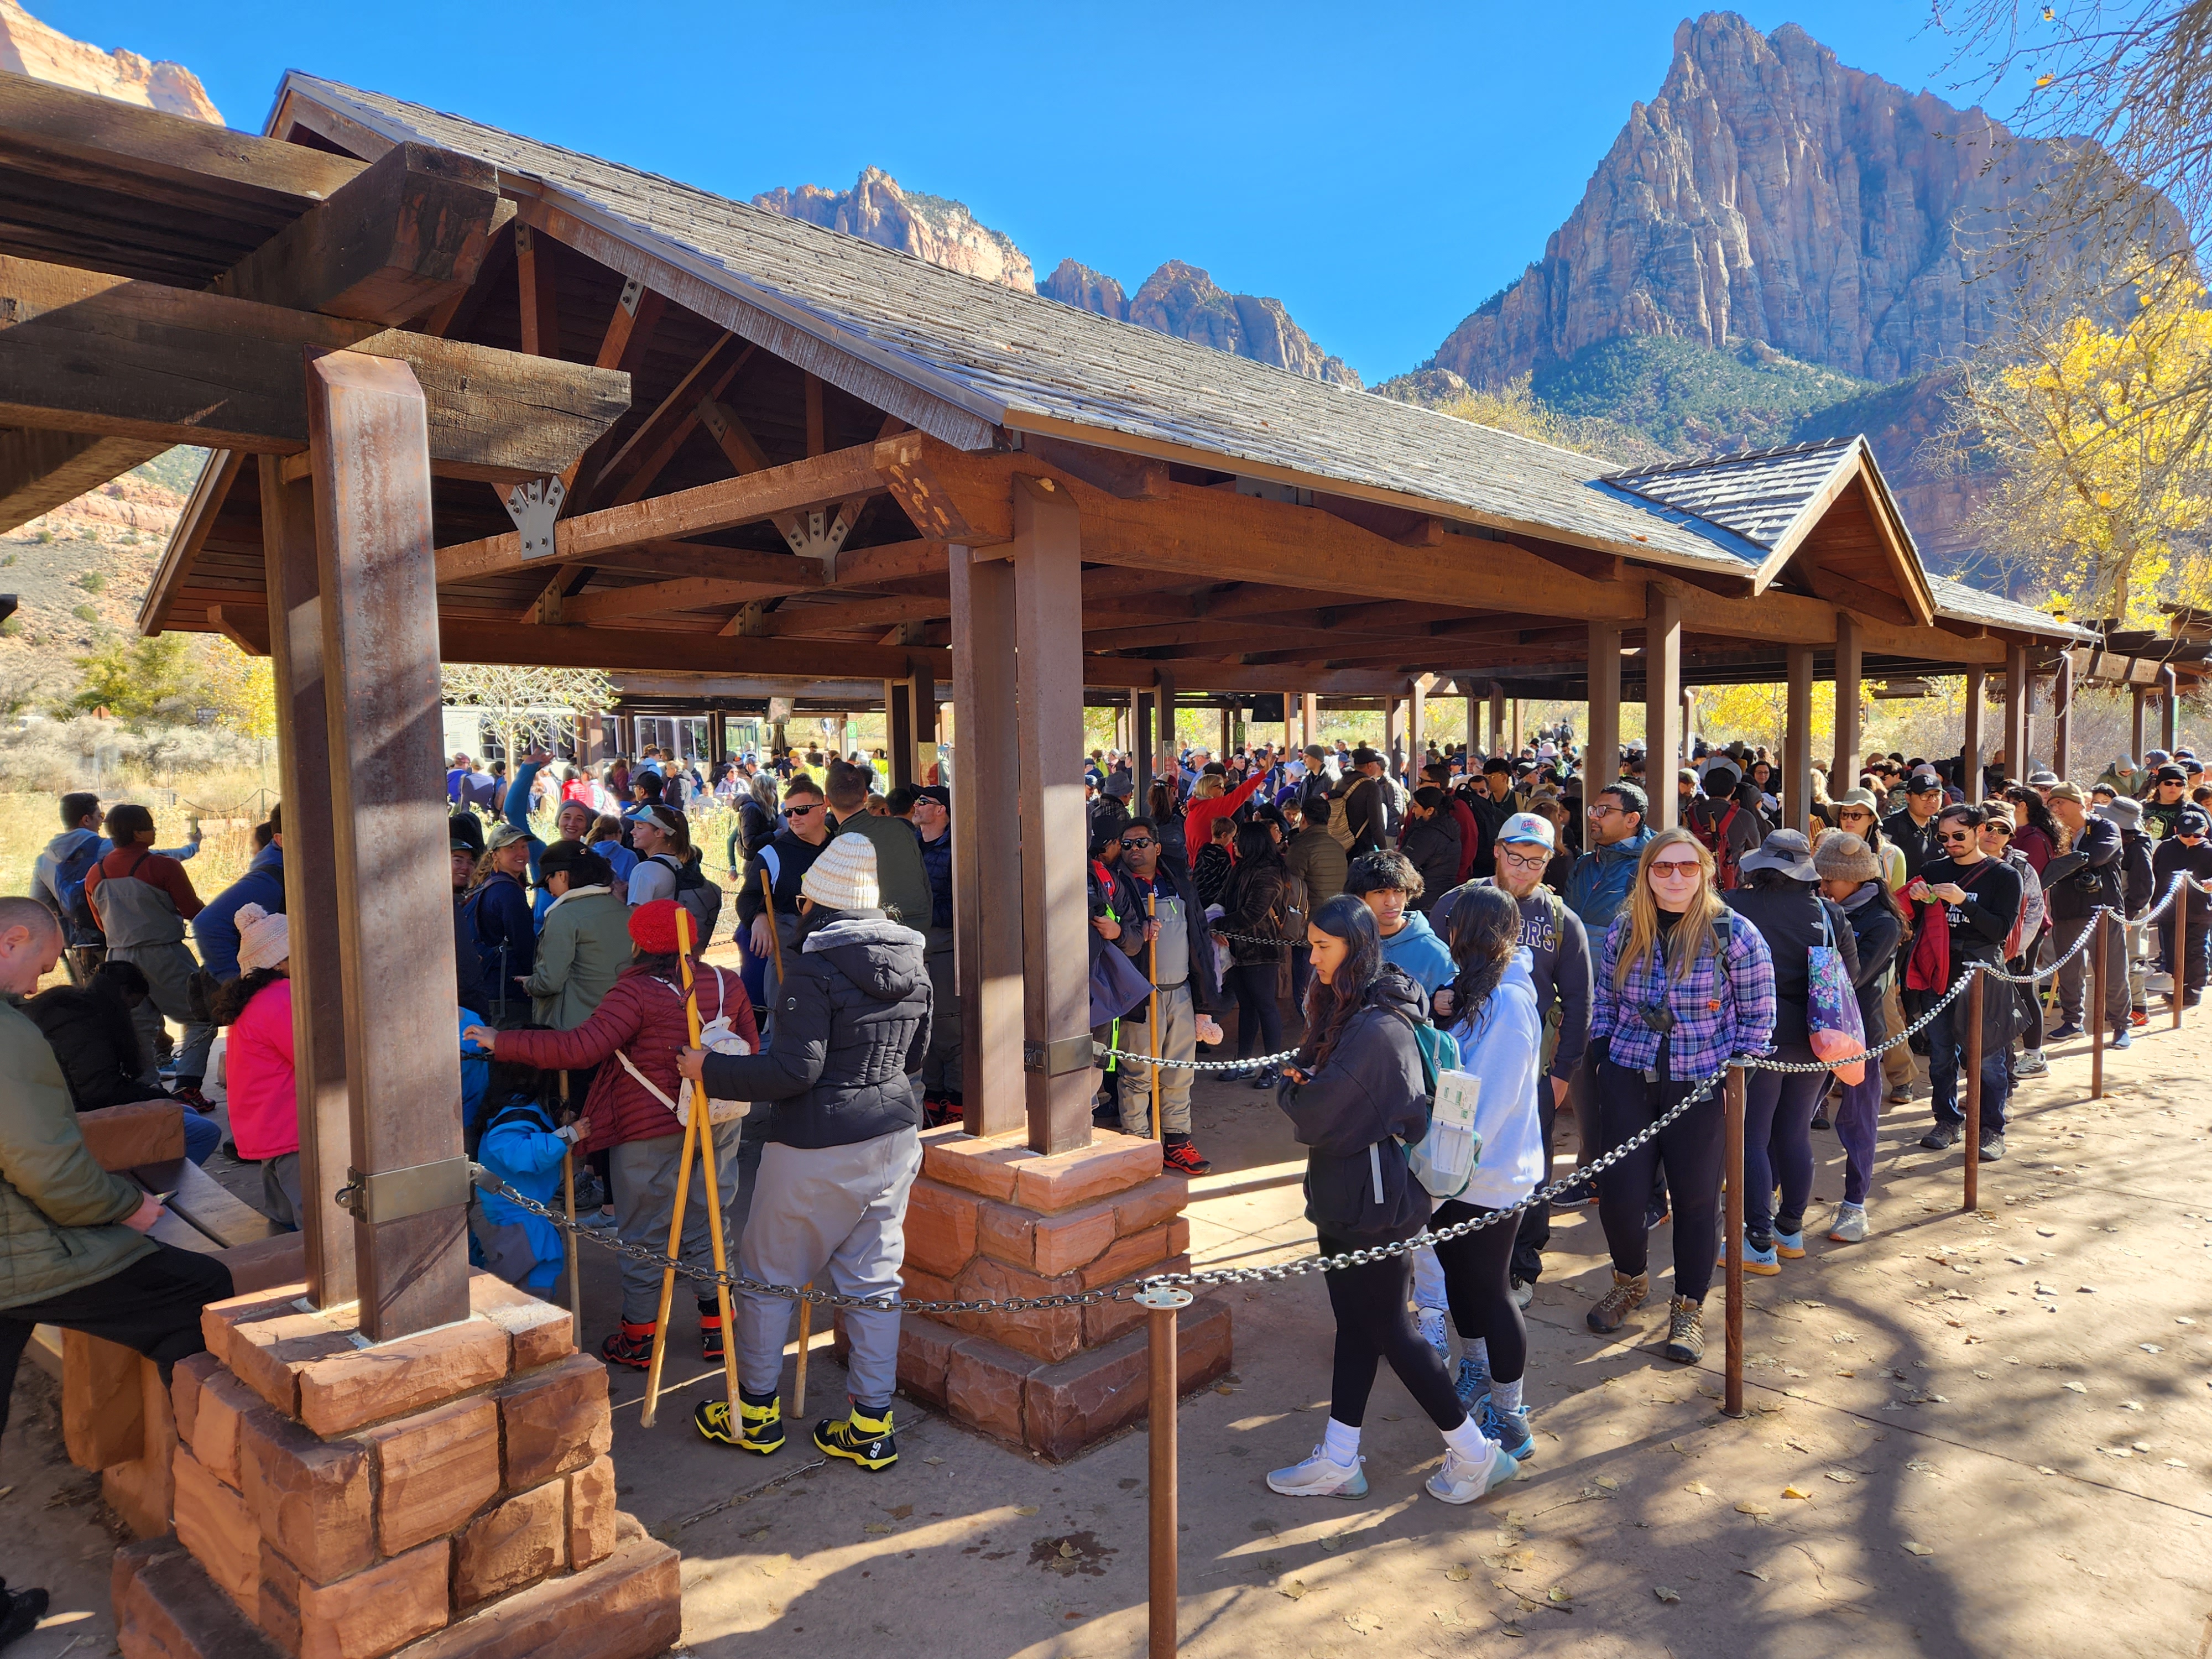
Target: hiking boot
(710, 1336)
(1509, 1429)
(1463, 1479)
(2031, 1063)
(1941, 1137)
(1318, 1477)
(862, 1437)
(1472, 1382)
(1625, 1297)
(632, 1345)
(1992, 1147)
(937, 1111)
(1900, 1096)
(1180, 1154)
(1430, 1322)
(760, 1422)
(1849, 1226)
(1685, 1331)
(1820, 1116)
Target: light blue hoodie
(1502, 1047)
(1415, 950)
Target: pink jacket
(264, 1109)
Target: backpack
(716, 1036)
(1442, 1160)
(1714, 838)
(695, 893)
(68, 888)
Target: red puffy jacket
(643, 1016)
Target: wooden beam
(633, 468)
(799, 621)
(1797, 744)
(987, 841)
(194, 526)
(407, 234)
(245, 627)
(1601, 759)
(1662, 704)
(615, 649)
(1132, 477)
(1871, 601)
(41, 470)
(684, 593)
(708, 508)
(93, 354)
(729, 432)
(1849, 656)
(538, 295)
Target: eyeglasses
(1958, 838)
(801, 812)
(1675, 869)
(1136, 846)
(1521, 862)
(1601, 811)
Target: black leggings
(1478, 1281)
(1372, 1324)
(1258, 1016)
(1690, 1150)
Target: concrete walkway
(1986, 1434)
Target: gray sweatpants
(2075, 973)
(169, 969)
(645, 1199)
(1178, 1040)
(833, 1214)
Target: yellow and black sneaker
(864, 1437)
(760, 1426)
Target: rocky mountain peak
(932, 227)
(30, 47)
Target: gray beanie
(1842, 856)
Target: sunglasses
(801, 812)
(1136, 846)
(1958, 838)
(1675, 869)
(1998, 829)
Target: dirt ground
(1972, 1434)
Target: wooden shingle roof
(1760, 495)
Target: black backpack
(696, 895)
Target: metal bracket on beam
(396, 1194)
(818, 533)
(534, 506)
(1060, 1056)
(633, 291)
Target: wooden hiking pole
(568, 1239)
(805, 1308)
(2097, 936)
(698, 1132)
(1973, 1113)
(1152, 1028)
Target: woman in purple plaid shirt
(1682, 984)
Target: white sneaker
(1850, 1225)
(2031, 1063)
(1463, 1479)
(1435, 1331)
(1318, 1477)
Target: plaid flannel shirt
(1711, 1024)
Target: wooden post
(1601, 740)
(303, 763)
(1513, 732)
(1163, 1504)
(1797, 744)
(1970, 744)
(1222, 753)
(1849, 659)
(1662, 704)
(2169, 718)
(1973, 1050)
(1310, 719)
(898, 731)
(1152, 1013)
(368, 441)
(2141, 699)
(2062, 716)
(1164, 737)
(2097, 949)
(986, 842)
(1497, 719)
(1047, 557)
(1393, 730)
(1417, 729)
(2027, 723)
(2015, 714)
(2179, 954)
(924, 699)
(1732, 1113)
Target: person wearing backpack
(497, 913)
(1493, 1010)
(905, 883)
(668, 866)
(143, 900)
(1681, 987)
(632, 1109)
(58, 880)
(1724, 827)
(1853, 875)
(522, 1145)
(1356, 1095)
(1781, 899)
(1257, 908)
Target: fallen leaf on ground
(2131, 1405)
(1750, 1507)
(1458, 1575)
(1700, 1488)
(1332, 1543)
(1608, 1483)
(775, 1566)
(1753, 1572)
(2175, 1463)
(1912, 1548)
(1066, 1552)
(1842, 1477)
(1558, 1595)
(1293, 1588)
(1027, 1508)
(1513, 1630)
(2044, 1468)
(932, 1462)
(1443, 1618)
(2077, 1387)
(1223, 1388)
(1792, 1491)
(2048, 1232)
(1366, 1623)
(900, 1512)
(878, 1527)
(1665, 1594)
(2150, 1347)
(755, 1537)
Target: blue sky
(1382, 169)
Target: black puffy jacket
(1368, 1094)
(852, 1023)
(89, 1029)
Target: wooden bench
(115, 1414)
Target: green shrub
(85, 613)
(91, 580)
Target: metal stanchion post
(1973, 1048)
(1161, 1305)
(2178, 957)
(2097, 936)
(1732, 1223)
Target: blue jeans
(202, 1136)
(1947, 1052)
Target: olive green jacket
(58, 1207)
(584, 947)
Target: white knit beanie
(844, 877)
(263, 940)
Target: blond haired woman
(1682, 984)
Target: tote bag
(1833, 1006)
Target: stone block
(129, 1136)
(167, 1608)
(538, 1331)
(365, 1616)
(434, 1471)
(217, 1318)
(1112, 1162)
(1138, 1252)
(1150, 1205)
(627, 1606)
(269, 1354)
(918, 1286)
(925, 1351)
(1046, 1333)
(941, 1228)
(554, 1420)
(219, 1400)
(260, 1264)
(141, 1491)
(983, 1384)
(1044, 1244)
(212, 1522)
(103, 1401)
(983, 1164)
(185, 1378)
(360, 1386)
(516, 1544)
(591, 1513)
(310, 1496)
(1079, 1401)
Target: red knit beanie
(652, 928)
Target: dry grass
(29, 819)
